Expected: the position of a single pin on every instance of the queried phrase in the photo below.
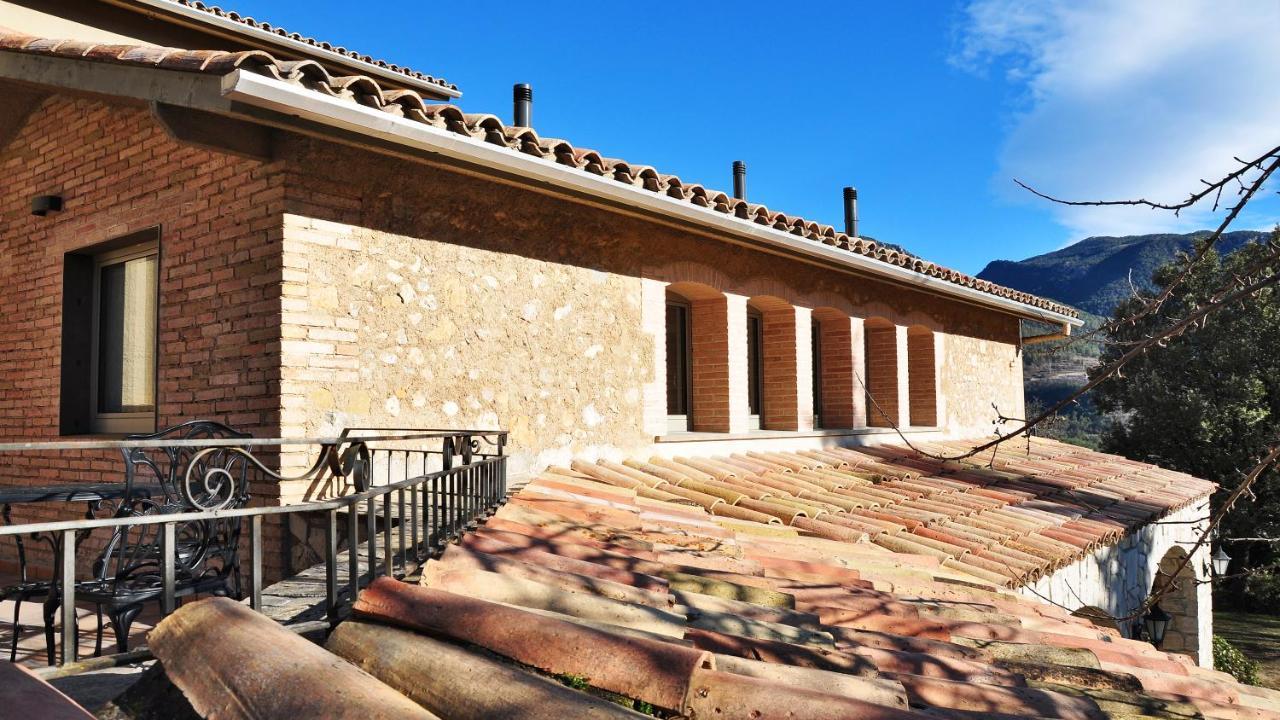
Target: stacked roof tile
(488, 128)
(759, 604)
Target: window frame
(755, 367)
(122, 422)
(678, 422)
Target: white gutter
(208, 21)
(288, 99)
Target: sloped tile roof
(249, 22)
(488, 128)
(1008, 517)
(651, 595)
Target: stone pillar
(653, 318)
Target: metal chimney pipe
(522, 97)
(851, 212)
(739, 180)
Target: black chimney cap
(522, 98)
(739, 180)
(851, 211)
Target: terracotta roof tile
(667, 581)
(488, 128)
(267, 27)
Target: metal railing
(427, 484)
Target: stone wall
(1119, 578)
(453, 300)
(384, 330)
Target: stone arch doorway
(1175, 583)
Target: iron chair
(21, 591)
(129, 571)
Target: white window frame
(123, 422)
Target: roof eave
(271, 41)
(281, 97)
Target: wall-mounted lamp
(1221, 561)
(44, 204)
(1156, 622)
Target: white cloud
(1123, 99)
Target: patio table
(93, 495)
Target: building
(205, 216)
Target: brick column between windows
(922, 377)
(843, 397)
(787, 371)
(719, 374)
(882, 375)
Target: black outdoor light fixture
(44, 204)
(1221, 561)
(1156, 622)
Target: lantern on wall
(1221, 561)
(1156, 622)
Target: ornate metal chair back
(178, 479)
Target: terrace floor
(91, 690)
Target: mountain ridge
(1095, 273)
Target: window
(110, 304)
(755, 385)
(678, 361)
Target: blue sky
(929, 108)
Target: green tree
(1208, 403)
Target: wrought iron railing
(425, 485)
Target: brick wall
(922, 398)
(119, 172)
(839, 387)
(778, 370)
(709, 360)
(882, 373)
